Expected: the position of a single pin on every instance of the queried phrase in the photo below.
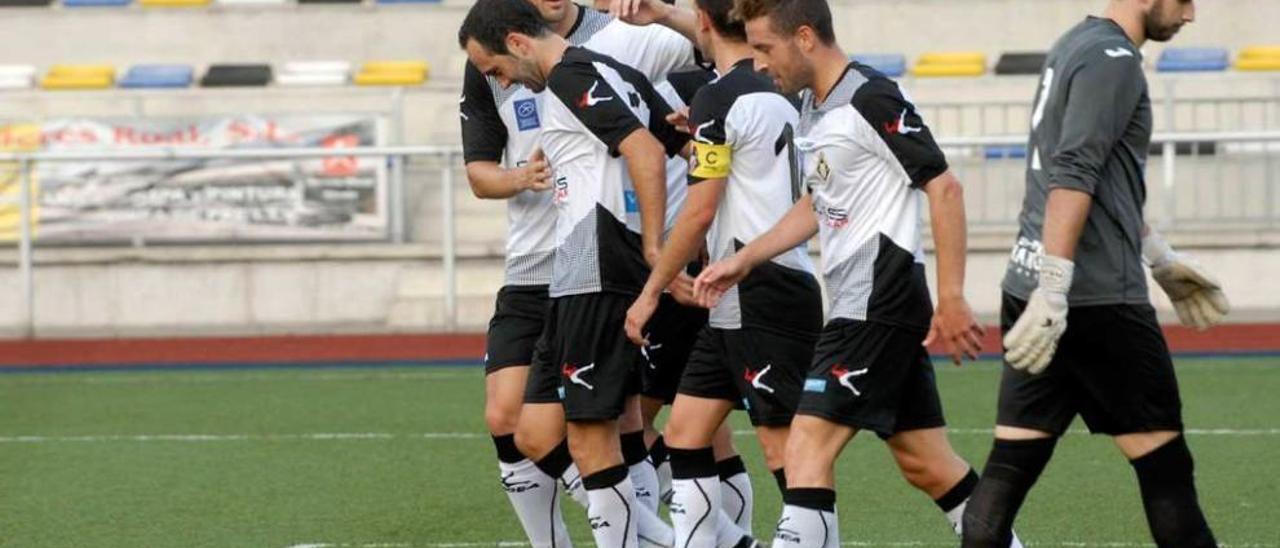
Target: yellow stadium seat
(1260, 52)
(79, 77)
(1257, 64)
(404, 78)
(395, 66)
(942, 70)
(77, 71)
(953, 58)
(172, 3)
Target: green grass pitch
(397, 457)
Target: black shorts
(872, 376)
(584, 358)
(517, 322)
(671, 332)
(1112, 367)
(762, 369)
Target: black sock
(1012, 468)
(958, 494)
(606, 478)
(1166, 478)
(813, 498)
(730, 467)
(780, 476)
(557, 461)
(692, 463)
(633, 449)
(507, 451)
(658, 452)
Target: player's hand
(681, 289)
(717, 278)
(535, 174)
(1196, 295)
(1033, 340)
(640, 12)
(638, 316)
(957, 328)
(680, 120)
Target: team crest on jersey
(823, 171)
(526, 114)
(835, 217)
(561, 190)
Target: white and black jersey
(678, 90)
(503, 124)
(743, 131)
(867, 154)
(594, 102)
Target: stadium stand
(940, 64)
(1193, 60)
(392, 73)
(1020, 63)
(236, 76)
(892, 65)
(1259, 58)
(67, 77)
(314, 73)
(158, 76)
(17, 76)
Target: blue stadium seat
(157, 76)
(96, 3)
(1003, 152)
(890, 64)
(1193, 60)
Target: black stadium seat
(23, 3)
(236, 75)
(1020, 63)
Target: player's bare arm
(646, 163)
(953, 321)
(490, 181)
(649, 12)
(796, 227)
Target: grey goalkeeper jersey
(1090, 128)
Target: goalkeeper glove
(1196, 295)
(1031, 343)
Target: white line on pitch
(357, 436)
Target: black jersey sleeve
(595, 103)
(484, 136)
(1100, 97)
(897, 123)
(708, 119)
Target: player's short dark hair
(789, 15)
(721, 13)
(490, 21)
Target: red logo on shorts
(845, 377)
(574, 374)
(756, 378)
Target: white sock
(536, 500)
(738, 499)
(664, 482)
(611, 509)
(806, 528)
(572, 482)
(645, 479)
(651, 530)
(729, 535)
(695, 511)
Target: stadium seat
(172, 3)
(1259, 58)
(889, 64)
(157, 76)
(96, 3)
(951, 64)
(17, 76)
(1193, 60)
(236, 76)
(251, 2)
(330, 1)
(62, 77)
(392, 73)
(1004, 152)
(24, 3)
(1020, 63)
(314, 73)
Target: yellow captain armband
(710, 161)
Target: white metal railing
(1265, 144)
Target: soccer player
(605, 133)
(868, 162)
(1080, 334)
(760, 341)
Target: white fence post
(25, 267)
(449, 245)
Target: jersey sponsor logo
(589, 99)
(630, 201)
(574, 374)
(516, 486)
(1116, 53)
(697, 132)
(710, 161)
(900, 127)
(1025, 257)
(526, 114)
(462, 100)
(834, 217)
(561, 192)
(845, 377)
(756, 378)
(815, 385)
